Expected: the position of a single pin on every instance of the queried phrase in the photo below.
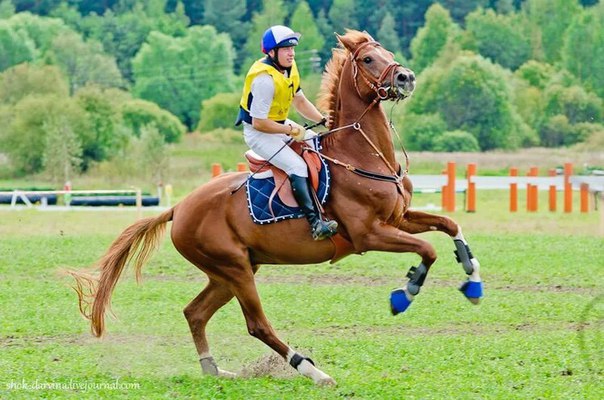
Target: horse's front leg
(418, 222)
(383, 237)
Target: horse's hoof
(326, 381)
(226, 374)
(399, 301)
(472, 291)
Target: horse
(370, 198)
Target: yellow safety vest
(285, 89)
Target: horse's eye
(367, 60)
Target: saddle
(262, 170)
(270, 198)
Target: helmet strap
(275, 60)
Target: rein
(382, 93)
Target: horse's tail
(137, 241)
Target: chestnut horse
(369, 198)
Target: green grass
(537, 334)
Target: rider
(271, 86)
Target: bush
(420, 130)
(219, 112)
(456, 141)
(138, 113)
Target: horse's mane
(333, 70)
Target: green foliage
(574, 102)
(431, 38)
(341, 15)
(273, 13)
(62, 152)
(7, 9)
(473, 95)
(137, 114)
(551, 18)
(557, 131)
(84, 62)
(219, 112)
(582, 51)
(26, 137)
(501, 38)
(106, 136)
(42, 30)
(311, 41)
(387, 34)
(15, 46)
(420, 131)
(162, 76)
(536, 73)
(152, 154)
(26, 79)
(228, 17)
(456, 141)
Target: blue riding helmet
(279, 36)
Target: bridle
(377, 85)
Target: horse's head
(374, 70)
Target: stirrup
(324, 229)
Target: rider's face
(285, 56)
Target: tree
(502, 38)
(15, 47)
(273, 13)
(138, 113)
(105, 138)
(311, 41)
(84, 62)
(459, 9)
(41, 30)
(25, 79)
(456, 141)
(179, 73)
(582, 50)
(154, 158)
(219, 111)
(228, 16)
(472, 94)
(26, 136)
(7, 9)
(551, 18)
(387, 34)
(341, 15)
(62, 152)
(431, 38)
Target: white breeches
(271, 146)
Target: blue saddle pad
(259, 191)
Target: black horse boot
(320, 229)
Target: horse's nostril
(402, 77)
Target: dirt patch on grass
(268, 365)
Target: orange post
(568, 188)
(444, 193)
(552, 192)
(471, 195)
(216, 170)
(241, 167)
(513, 191)
(584, 197)
(450, 186)
(531, 192)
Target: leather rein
(382, 93)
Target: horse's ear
(370, 37)
(345, 42)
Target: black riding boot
(320, 229)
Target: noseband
(377, 86)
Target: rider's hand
(297, 132)
(328, 121)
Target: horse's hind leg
(418, 222)
(259, 327)
(198, 312)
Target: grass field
(537, 334)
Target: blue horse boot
(400, 300)
(472, 290)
